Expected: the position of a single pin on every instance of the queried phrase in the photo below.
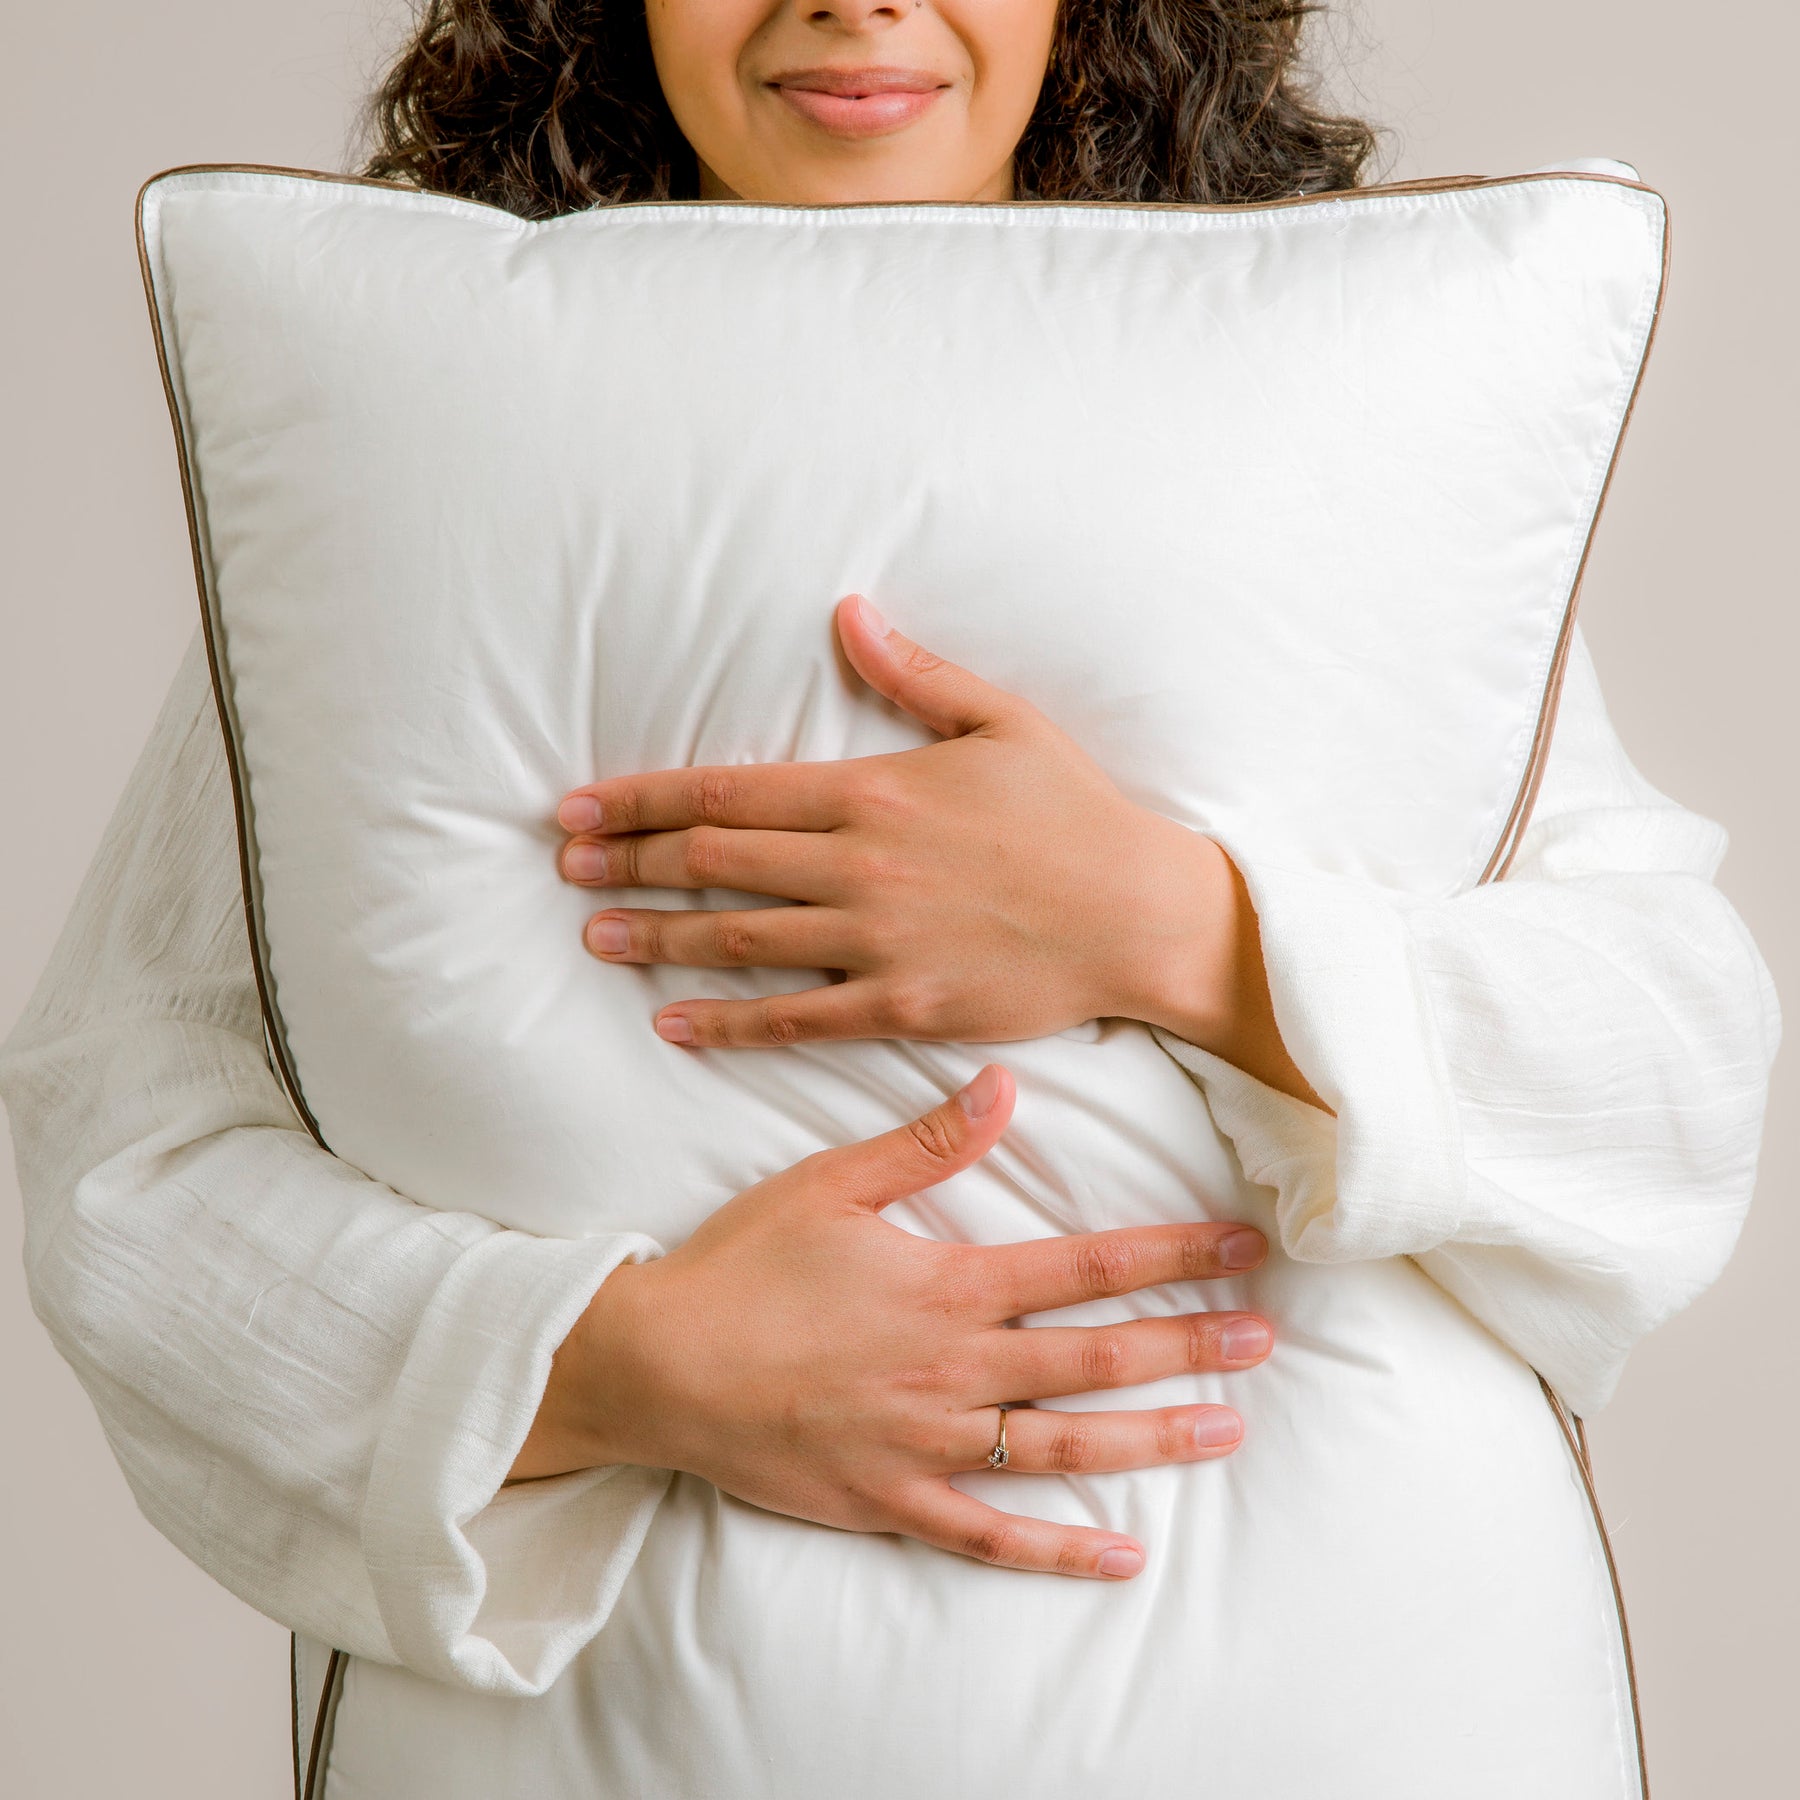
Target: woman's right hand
(802, 1353)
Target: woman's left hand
(995, 885)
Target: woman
(319, 1389)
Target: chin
(892, 169)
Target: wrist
(1197, 961)
(1180, 937)
(588, 1417)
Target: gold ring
(997, 1457)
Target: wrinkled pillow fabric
(1279, 511)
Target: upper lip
(859, 81)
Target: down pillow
(1278, 511)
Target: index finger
(1045, 1273)
(750, 796)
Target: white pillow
(1279, 511)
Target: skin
(798, 1350)
(716, 60)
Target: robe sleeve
(1549, 1090)
(315, 1387)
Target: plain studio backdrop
(125, 1670)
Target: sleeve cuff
(489, 1588)
(1387, 1176)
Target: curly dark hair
(551, 106)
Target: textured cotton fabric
(1549, 1091)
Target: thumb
(951, 1137)
(949, 699)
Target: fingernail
(1242, 1249)
(610, 937)
(675, 1030)
(1121, 1560)
(584, 862)
(1244, 1338)
(872, 620)
(1219, 1426)
(581, 813)
(977, 1099)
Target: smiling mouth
(859, 102)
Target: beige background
(123, 1669)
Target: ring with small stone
(997, 1457)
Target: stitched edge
(1575, 1435)
(850, 212)
(294, 1706)
(1647, 323)
(330, 1693)
(275, 1035)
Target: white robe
(1549, 1092)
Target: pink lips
(859, 102)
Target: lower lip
(860, 115)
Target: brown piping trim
(277, 1040)
(294, 1707)
(1435, 184)
(1520, 817)
(1526, 799)
(1576, 1434)
(330, 1692)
